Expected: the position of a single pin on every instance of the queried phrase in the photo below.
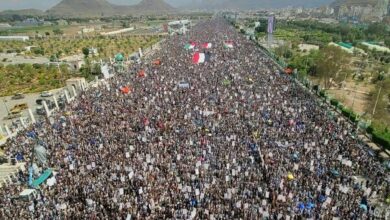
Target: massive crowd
(243, 141)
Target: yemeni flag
(228, 44)
(207, 45)
(198, 58)
(201, 57)
(190, 46)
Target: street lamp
(376, 102)
(4, 101)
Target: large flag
(207, 45)
(190, 46)
(201, 57)
(125, 89)
(198, 58)
(228, 44)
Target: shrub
(322, 93)
(334, 102)
(370, 129)
(349, 114)
(382, 138)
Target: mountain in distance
(153, 6)
(255, 4)
(364, 9)
(23, 12)
(350, 3)
(97, 8)
(82, 8)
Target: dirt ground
(354, 96)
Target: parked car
(50, 104)
(19, 107)
(40, 110)
(39, 101)
(13, 115)
(18, 96)
(26, 195)
(61, 104)
(19, 122)
(46, 94)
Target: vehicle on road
(18, 96)
(46, 94)
(39, 101)
(50, 104)
(18, 121)
(13, 115)
(15, 111)
(19, 107)
(26, 195)
(40, 110)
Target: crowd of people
(241, 141)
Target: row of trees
(321, 33)
(32, 78)
(28, 78)
(327, 64)
(66, 47)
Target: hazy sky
(46, 4)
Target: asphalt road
(12, 58)
(30, 99)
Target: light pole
(376, 102)
(4, 101)
(353, 100)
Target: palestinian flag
(207, 45)
(228, 44)
(201, 57)
(190, 46)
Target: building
(5, 25)
(47, 23)
(62, 22)
(31, 22)
(78, 83)
(179, 27)
(93, 51)
(372, 46)
(347, 47)
(121, 31)
(14, 38)
(28, 48)
(87, 30)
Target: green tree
(38, 51)
(86, 51)
(330, 62)
(53, 58)
(387, 41)
(376, 31)
(96, 70)
(58, 31)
